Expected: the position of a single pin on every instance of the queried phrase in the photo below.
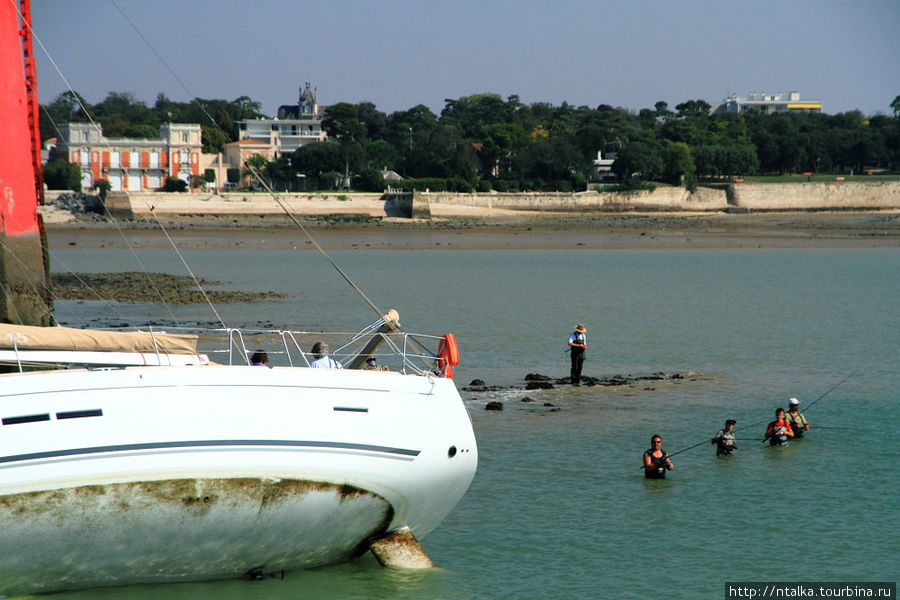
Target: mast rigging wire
(252, 169)
(184, 262)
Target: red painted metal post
(23, 296)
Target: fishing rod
(834, 387)
(707, 441)
(831, 389)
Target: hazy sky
(401, 53)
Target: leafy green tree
(895, 106)
(554, 158)
(640, 159)
(122, 115)
(342, 124)
(373, 119)
(380, 154)
(679, 165)
(776, 138)
(60, 174)
(174, 184)
(369, 180)
(280, 173)
(662, 112)
(254, 167)
(313, 159)
(499, 142)
(65, 108)
(418, 138)
(470, 114)
(102, 186)
(213, 139)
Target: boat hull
(177, 474)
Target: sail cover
(25, 337)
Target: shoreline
(520, 230)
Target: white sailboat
(135, 457)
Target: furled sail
(25, 337)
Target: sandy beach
(513, 230)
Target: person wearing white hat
(577, 346)
(798, 422)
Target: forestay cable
(254, 171)
(184, 262)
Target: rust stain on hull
(180, 530)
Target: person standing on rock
(577, 346)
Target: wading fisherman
(798, 422)
(724, 440)
(656, 460)
(779, 431)
(577, 346)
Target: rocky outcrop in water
(537, 381)
(145, 287)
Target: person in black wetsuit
(577, 346)
(656, 460)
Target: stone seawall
(422, 205)
(815, 196)
(663, 198)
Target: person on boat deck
(798, 422)
(577, 346)
(656, 460)
(259, 359)
(724, 440)
(323, 361)
(779, 431)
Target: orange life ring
(448, 352)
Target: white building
(295, 125)
(132, 165)
(767, 103)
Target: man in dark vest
(577, 346)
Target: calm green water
(559, 507)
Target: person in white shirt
(323, 361)
(577, 346)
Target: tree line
(484, 142)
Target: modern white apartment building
(294, 126)
(767, 103)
